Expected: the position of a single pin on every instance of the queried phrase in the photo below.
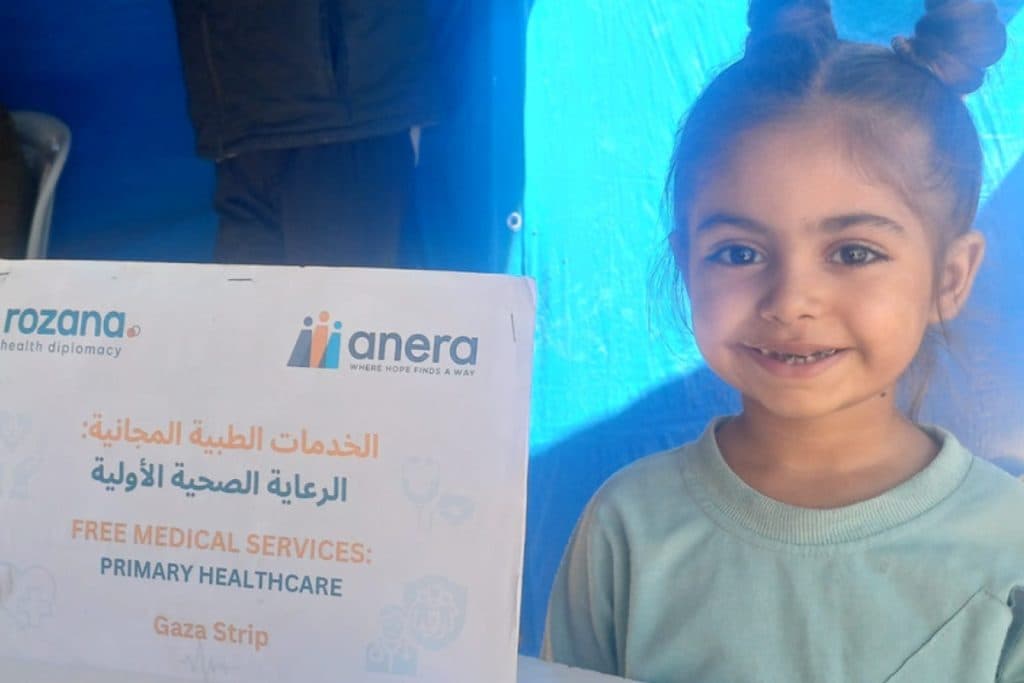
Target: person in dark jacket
(310, 109)
(16, 192)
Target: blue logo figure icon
(27, 596)
(432, 617)
(392, 653)
(436, 611)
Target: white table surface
(530, 671)
(536, 671)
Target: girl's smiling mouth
(794, 360)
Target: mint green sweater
(678, 572)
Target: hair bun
(809, 21)
(956, 40)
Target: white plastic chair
(45, 141)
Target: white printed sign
(261, 474)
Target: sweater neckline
(723, 492)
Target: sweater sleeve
(1011, 662)
(580, 628)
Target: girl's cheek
(715, 293)
(708, 320)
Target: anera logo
(320, 345)
(317, 347)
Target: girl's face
(811, 284)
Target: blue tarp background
(606, 83)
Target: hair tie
(904, 49)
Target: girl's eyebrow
(840, 223)
(831, 224)
(742, 222)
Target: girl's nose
(792, 292)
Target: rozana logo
(68, 323)
(73, 331)
(317, 347)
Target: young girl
(824, 193)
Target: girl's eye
(736, 255)
(855, 255)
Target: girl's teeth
(796, 359)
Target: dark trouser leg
(248, 204)
(346, 204)
(15, 193)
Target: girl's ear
(956, 275)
